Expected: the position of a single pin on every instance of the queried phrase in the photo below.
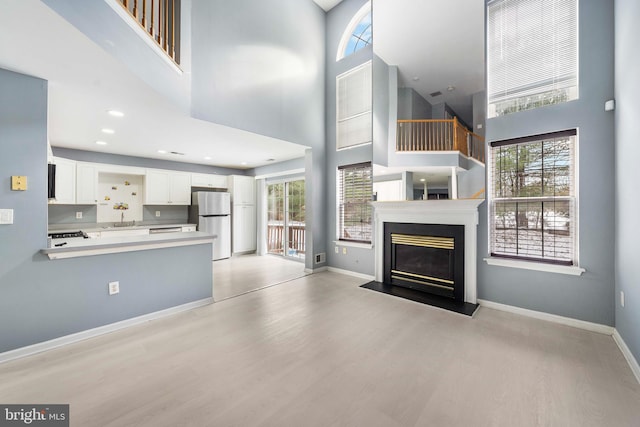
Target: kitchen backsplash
(66, 214)
(119, 197)
(167, 213)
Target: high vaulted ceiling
(436, 45)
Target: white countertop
(109, 226)
(109, 245)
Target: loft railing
(438, 135)
(161, 20)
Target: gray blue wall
(359, 260)
(42, 299)
(588, 297)
(627, 54)
(258, 66)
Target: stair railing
(161, 20)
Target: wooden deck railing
(438, 135)
(275, 239)
(161, 20)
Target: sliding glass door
(286, 219)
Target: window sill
(353, 244)
(537, 266)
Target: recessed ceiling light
(162, 151)
(422, 180)
(207, 158)
(451, 88)
(416, 78)
(243, 163)
(115, 113)
(271, 160)
(101, 143)
(109, 131)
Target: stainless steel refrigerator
(212, 212)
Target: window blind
(355, 190)
(353, 107)
(532, 54)
(533, 207)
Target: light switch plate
(19, 183)
(6, 216)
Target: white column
(454, 183)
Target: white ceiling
(439, 42)
(327, 5)
(85, 82)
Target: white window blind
(355, 191)
(533, 206)
(532, 57)
(353, 104)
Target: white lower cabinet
(244, 236)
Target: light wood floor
(245, 273)
(320, 351)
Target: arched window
(358, 33)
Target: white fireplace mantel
(447, 212)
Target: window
(533, 206)
(353, 107)
(354, 202)
(532, 54)
(358, 33)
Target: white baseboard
(633, 363)
(315, 270)
(351, 273)
(100, 330)
(580, 324)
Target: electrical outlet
(157, 214)
(337, 250)
(78, 215)
(344, 251)
(622, 298)
(114, 288)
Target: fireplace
(425, 257)
(462, 212)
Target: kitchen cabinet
(86, 184)
(244, 228)
(243, 189)
(243, 213)
(209, 180)
(65, 181)
(163, 187)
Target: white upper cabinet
(65, 181)
(163, 187)
(243, 190)
(86, 184)
(179, 188)
(209, 180)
